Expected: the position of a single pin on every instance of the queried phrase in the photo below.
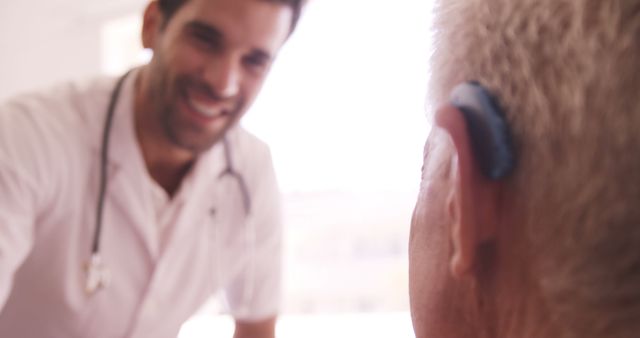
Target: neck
(166, 162)
(519, 308)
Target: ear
(152, 24)
(474, 199)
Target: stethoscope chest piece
(98, 276)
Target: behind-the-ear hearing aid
(488, 129)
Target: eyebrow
(209, 31)
(215, 34)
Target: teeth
(204, 109)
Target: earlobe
(473, 199)
(151, 25)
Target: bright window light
(121, 45)
(344, 105)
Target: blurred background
(344, 113)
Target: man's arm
(254, 293)
(261, 329)
(20, 195)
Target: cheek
(191, 60)
(183, 57)
(426, 237)
(252, 84)
(416, 264)
(420, 260)
(428, 258)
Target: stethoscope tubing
(104, 157)
(95, 268)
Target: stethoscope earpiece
(489, 132)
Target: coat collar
(127, 172)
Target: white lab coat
(49, 172)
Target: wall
(47, 41)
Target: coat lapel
(128, 189)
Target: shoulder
(246, 140)
(56, 112)
(43, 131)
(248, 149)
(252, 159)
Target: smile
(204, 107)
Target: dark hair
(170, 7)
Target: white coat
(165, 257)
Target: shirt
(164, 258)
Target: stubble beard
(164, 94)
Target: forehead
(260, 24)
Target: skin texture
(261, 329)
(211, 55)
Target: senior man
(528, 219)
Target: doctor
(125, 203)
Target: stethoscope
(98, 275)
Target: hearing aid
(489, 133)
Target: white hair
(567, 73)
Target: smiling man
(127, 202)
(527, 223)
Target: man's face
(210, 60)
(431, 288)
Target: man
(125, 204)
(550, 246)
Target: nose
(223, 76)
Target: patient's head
(553, 249)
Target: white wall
(47, 41)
